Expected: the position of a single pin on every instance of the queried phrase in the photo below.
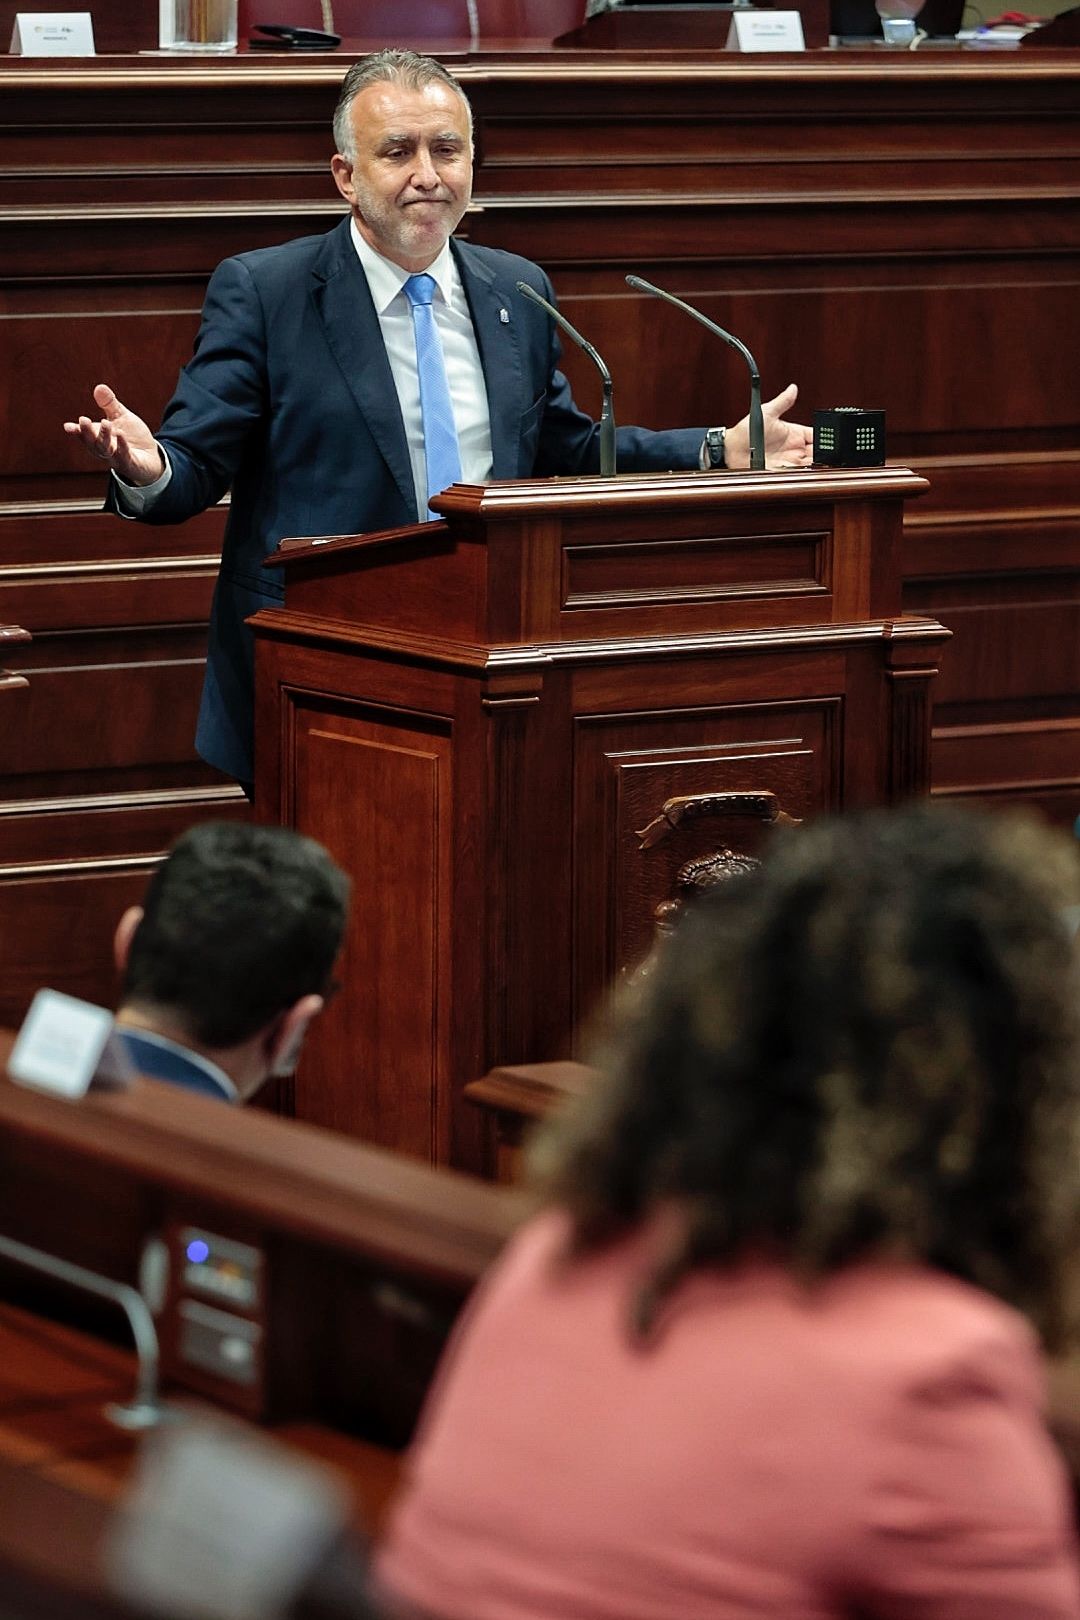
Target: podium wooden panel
(479, 716)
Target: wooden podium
(521, 728)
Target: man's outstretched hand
(787, 444)
(120, 439)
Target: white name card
(52, 33)
(65, 1044)
(765, 31)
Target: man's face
(411, 179)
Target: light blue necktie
(441, 449)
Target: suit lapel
(496, 339)
(344, 304)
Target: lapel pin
(504, 316)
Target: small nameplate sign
(65, 1045)
(765, 31)
(52, 33)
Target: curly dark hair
(867, 1048)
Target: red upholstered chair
(389, 22)
(412, 22)
(529, 19)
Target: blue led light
(198, 1251)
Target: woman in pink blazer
(772, 1349)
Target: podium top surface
(634, 495)
(582, 560)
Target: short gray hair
(406, 68)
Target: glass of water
(204, 25)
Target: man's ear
(125, 933)
(342, 169)
(287, 1035)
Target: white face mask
(286, 1063)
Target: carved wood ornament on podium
(699, 873)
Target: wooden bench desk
(342, 1266)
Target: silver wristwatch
(713, 449)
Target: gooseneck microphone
(757, 421)
(607, 414)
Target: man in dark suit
(229, 957)
(310, 394)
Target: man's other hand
(120, 439)
(787, 444)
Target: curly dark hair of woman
(866, 1049)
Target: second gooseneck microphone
(607, 413)
(757, 421)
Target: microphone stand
(757, 421)
(607, 413)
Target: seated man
(230, 957)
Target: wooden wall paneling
(994, 552)
(98, 776)
(909, 235)
(92, 330)
(832, 316)
(168, 130)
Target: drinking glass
(204, 25)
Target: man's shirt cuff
(134, 500)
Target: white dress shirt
(464, 373)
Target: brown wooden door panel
(376, 788)
(628, 765)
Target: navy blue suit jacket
(289, 401)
